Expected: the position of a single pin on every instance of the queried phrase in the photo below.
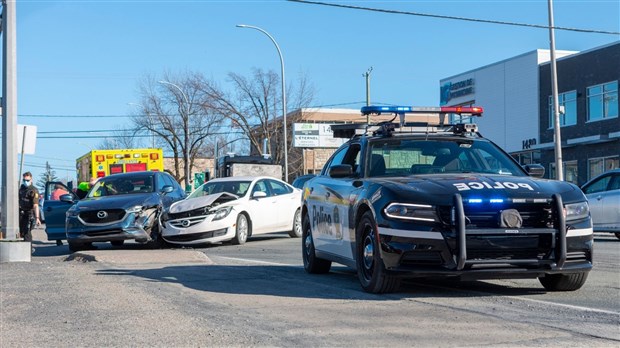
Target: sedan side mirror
(259, 194)
(167, 189)
(535, 170)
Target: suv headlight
(73, 212)
(221, 213)
(576, 211)
(407, 211)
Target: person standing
(28, 207)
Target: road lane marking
(580, 308)
(256, 261)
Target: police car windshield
(398, 157)
(238, 188)
(121, 186)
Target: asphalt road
(259, 295)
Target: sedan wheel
(312, 264)
(297, 228)
(242, 230)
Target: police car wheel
(296, 232)
(242, 230)
(312, 264)
(617, 235)
(370, 269)
(564, 282)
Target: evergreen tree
(48, 175)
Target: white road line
(255, 261)
(580, 308)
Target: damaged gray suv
(121, 207)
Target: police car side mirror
(341, 171)
(535, 170)
(66, 198)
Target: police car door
(329, 211)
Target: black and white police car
(406, 200)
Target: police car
(431, 199)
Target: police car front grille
(488, 216)
(93, 216)
(514, 247)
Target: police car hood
(119, 201)
(441, 187)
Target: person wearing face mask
(28, 207)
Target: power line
(455, 18)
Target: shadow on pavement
(290, 281)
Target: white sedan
(233, 209)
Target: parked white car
(233, 209)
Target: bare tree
(178, 112)
(122, 138)
(255, 106)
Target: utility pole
(10, 181)
(559, 168)
(367, 76)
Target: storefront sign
(312, 135)
(451, 90)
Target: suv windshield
(238, 188)
(111, 186)
(399, 157)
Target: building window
(603, 101)
(601, 165)
(529, 157)
(568, 104)
(570, 172)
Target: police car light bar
(460, 110)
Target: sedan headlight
(576, 211)
(221, 213)
(407, 211)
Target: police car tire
(617, 235)
(372, 275)
(241, 236)
(297, 230)
(564, 282)
(312, 264)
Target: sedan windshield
(238, 188)
(396, 157)
(111, 186)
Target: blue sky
(86, 57)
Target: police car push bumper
(451, 250)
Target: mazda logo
(102, 214)
(185, 223)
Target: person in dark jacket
(28, 207)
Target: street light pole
(559, 167)
(283, 94)
(186, 131)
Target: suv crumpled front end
(110, 219)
